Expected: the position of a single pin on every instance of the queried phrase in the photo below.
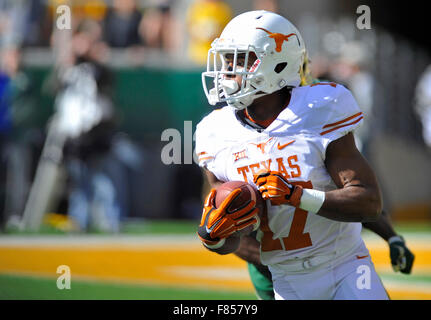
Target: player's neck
(266, 109)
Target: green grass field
(163, 261)
(15, 284)
(29, 288)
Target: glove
(219, 223)
(274, 187)
(401, 257)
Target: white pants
(350, 277)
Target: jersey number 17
(296, 239)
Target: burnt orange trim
(264, 123)
(344, 125)
(361, 257)
(342, 121)
(206, 158)
(332, 84)
(279, 38)
(201, 153)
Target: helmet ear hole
(280, 67)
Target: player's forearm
(382, 226)
(249, 250)
(225, 246)
(352, 204)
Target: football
(248, 192)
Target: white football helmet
(279, 49)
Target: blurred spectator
(121, 24)
(158, 28)
(320, 67)
(13, 16)
(5, 126)
(24, 23)
(87, 44)
(94, 9)
(21, 141)
(98, 190)
(423, 104)
(26, 137)
(350, 70)
(38, 24)
(205, 21)
(5, 119)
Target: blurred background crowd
(82, 109)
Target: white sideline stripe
(408, 237)
(403, 286)
(416, 240)
(147, 241)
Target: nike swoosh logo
(282, 146)
(361, 257)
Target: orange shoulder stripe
(206, 158)
(344, 125)
(332, 84)
(342, 121)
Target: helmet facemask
(224, 64)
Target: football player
(400, 255)
(295, 145)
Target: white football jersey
(294, 144)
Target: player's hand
(274, 187)
(401, 257)
(219, 223)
